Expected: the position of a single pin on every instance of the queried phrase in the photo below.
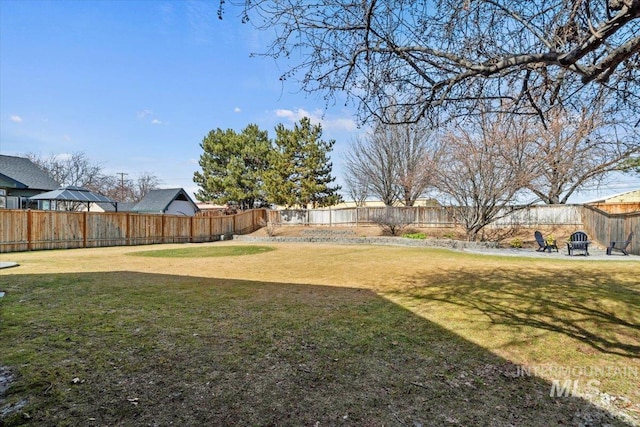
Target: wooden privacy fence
(425, 216)
(618, 208)
(417, 215)
(29, 230)
(603, 227)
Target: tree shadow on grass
(596, 310)
(129, 349)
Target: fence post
(191, 233)
(29, 231)
(234, 223)
(128, 236)
(164, 221)
(85, 225)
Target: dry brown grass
(341, 335)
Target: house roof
(158, 201)
(73, 194)
(122, 206)
(627, 196)
(23, 173)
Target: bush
(414, 236)
(516, 243)
(392, 221)
(269, 225)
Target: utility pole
(122, 175)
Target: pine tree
(233, 166)
(300, 170)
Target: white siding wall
(180, 207)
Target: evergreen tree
(300, 170)
(631, 165)
(233, 166)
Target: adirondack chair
(578, 242)
(620, 246)
(544, 244)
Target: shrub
(392, 221)
(516, 243)
(414, 235)
(269, 225)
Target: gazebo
(75, 195)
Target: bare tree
(75, 169)
(374, 161)
(395, 161)
(437, 56)
(574, 150)
(144, 183)
(417, 157)
(479, 174)
(357, 188)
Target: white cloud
(149, 116)
(318, 117)
(16, 119)
(237, 110)
(144, 113)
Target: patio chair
(578, 242)
(543, 244)
(620, 246)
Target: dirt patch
(6, 378)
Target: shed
(173, 201)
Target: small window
(12, 202)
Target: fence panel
(533, 216)
(176, 229)
(144, 229)
(249, 221)
(618, 208)
(56, 230)
(604, 227)
(106, 229)
(14, 230)
(201, 229)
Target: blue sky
(136, 85)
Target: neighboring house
(432, 203)
(174, 201)
(626, 197)
(618, 203)
(20, 179)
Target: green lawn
(315, 335)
